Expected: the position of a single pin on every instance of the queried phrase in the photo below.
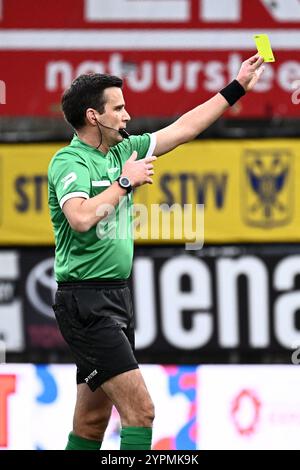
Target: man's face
(115, 115)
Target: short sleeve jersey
(79, 170)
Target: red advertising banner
(74, 14)
(172, 54)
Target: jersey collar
(76, 142)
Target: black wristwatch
(124, 182)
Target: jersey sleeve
(143, 144)
(70, 177)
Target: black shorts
(96, 320)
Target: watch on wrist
(124, 182)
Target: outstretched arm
(192, 123)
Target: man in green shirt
(90, 181)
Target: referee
(91, 180)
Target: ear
(91, 116)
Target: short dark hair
(86, 91)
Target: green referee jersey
(80, 170)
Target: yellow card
(264, 48)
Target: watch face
(124, 182)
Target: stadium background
(217, 329)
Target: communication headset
(122, 132)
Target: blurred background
(217, 329)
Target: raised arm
(192, 123)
